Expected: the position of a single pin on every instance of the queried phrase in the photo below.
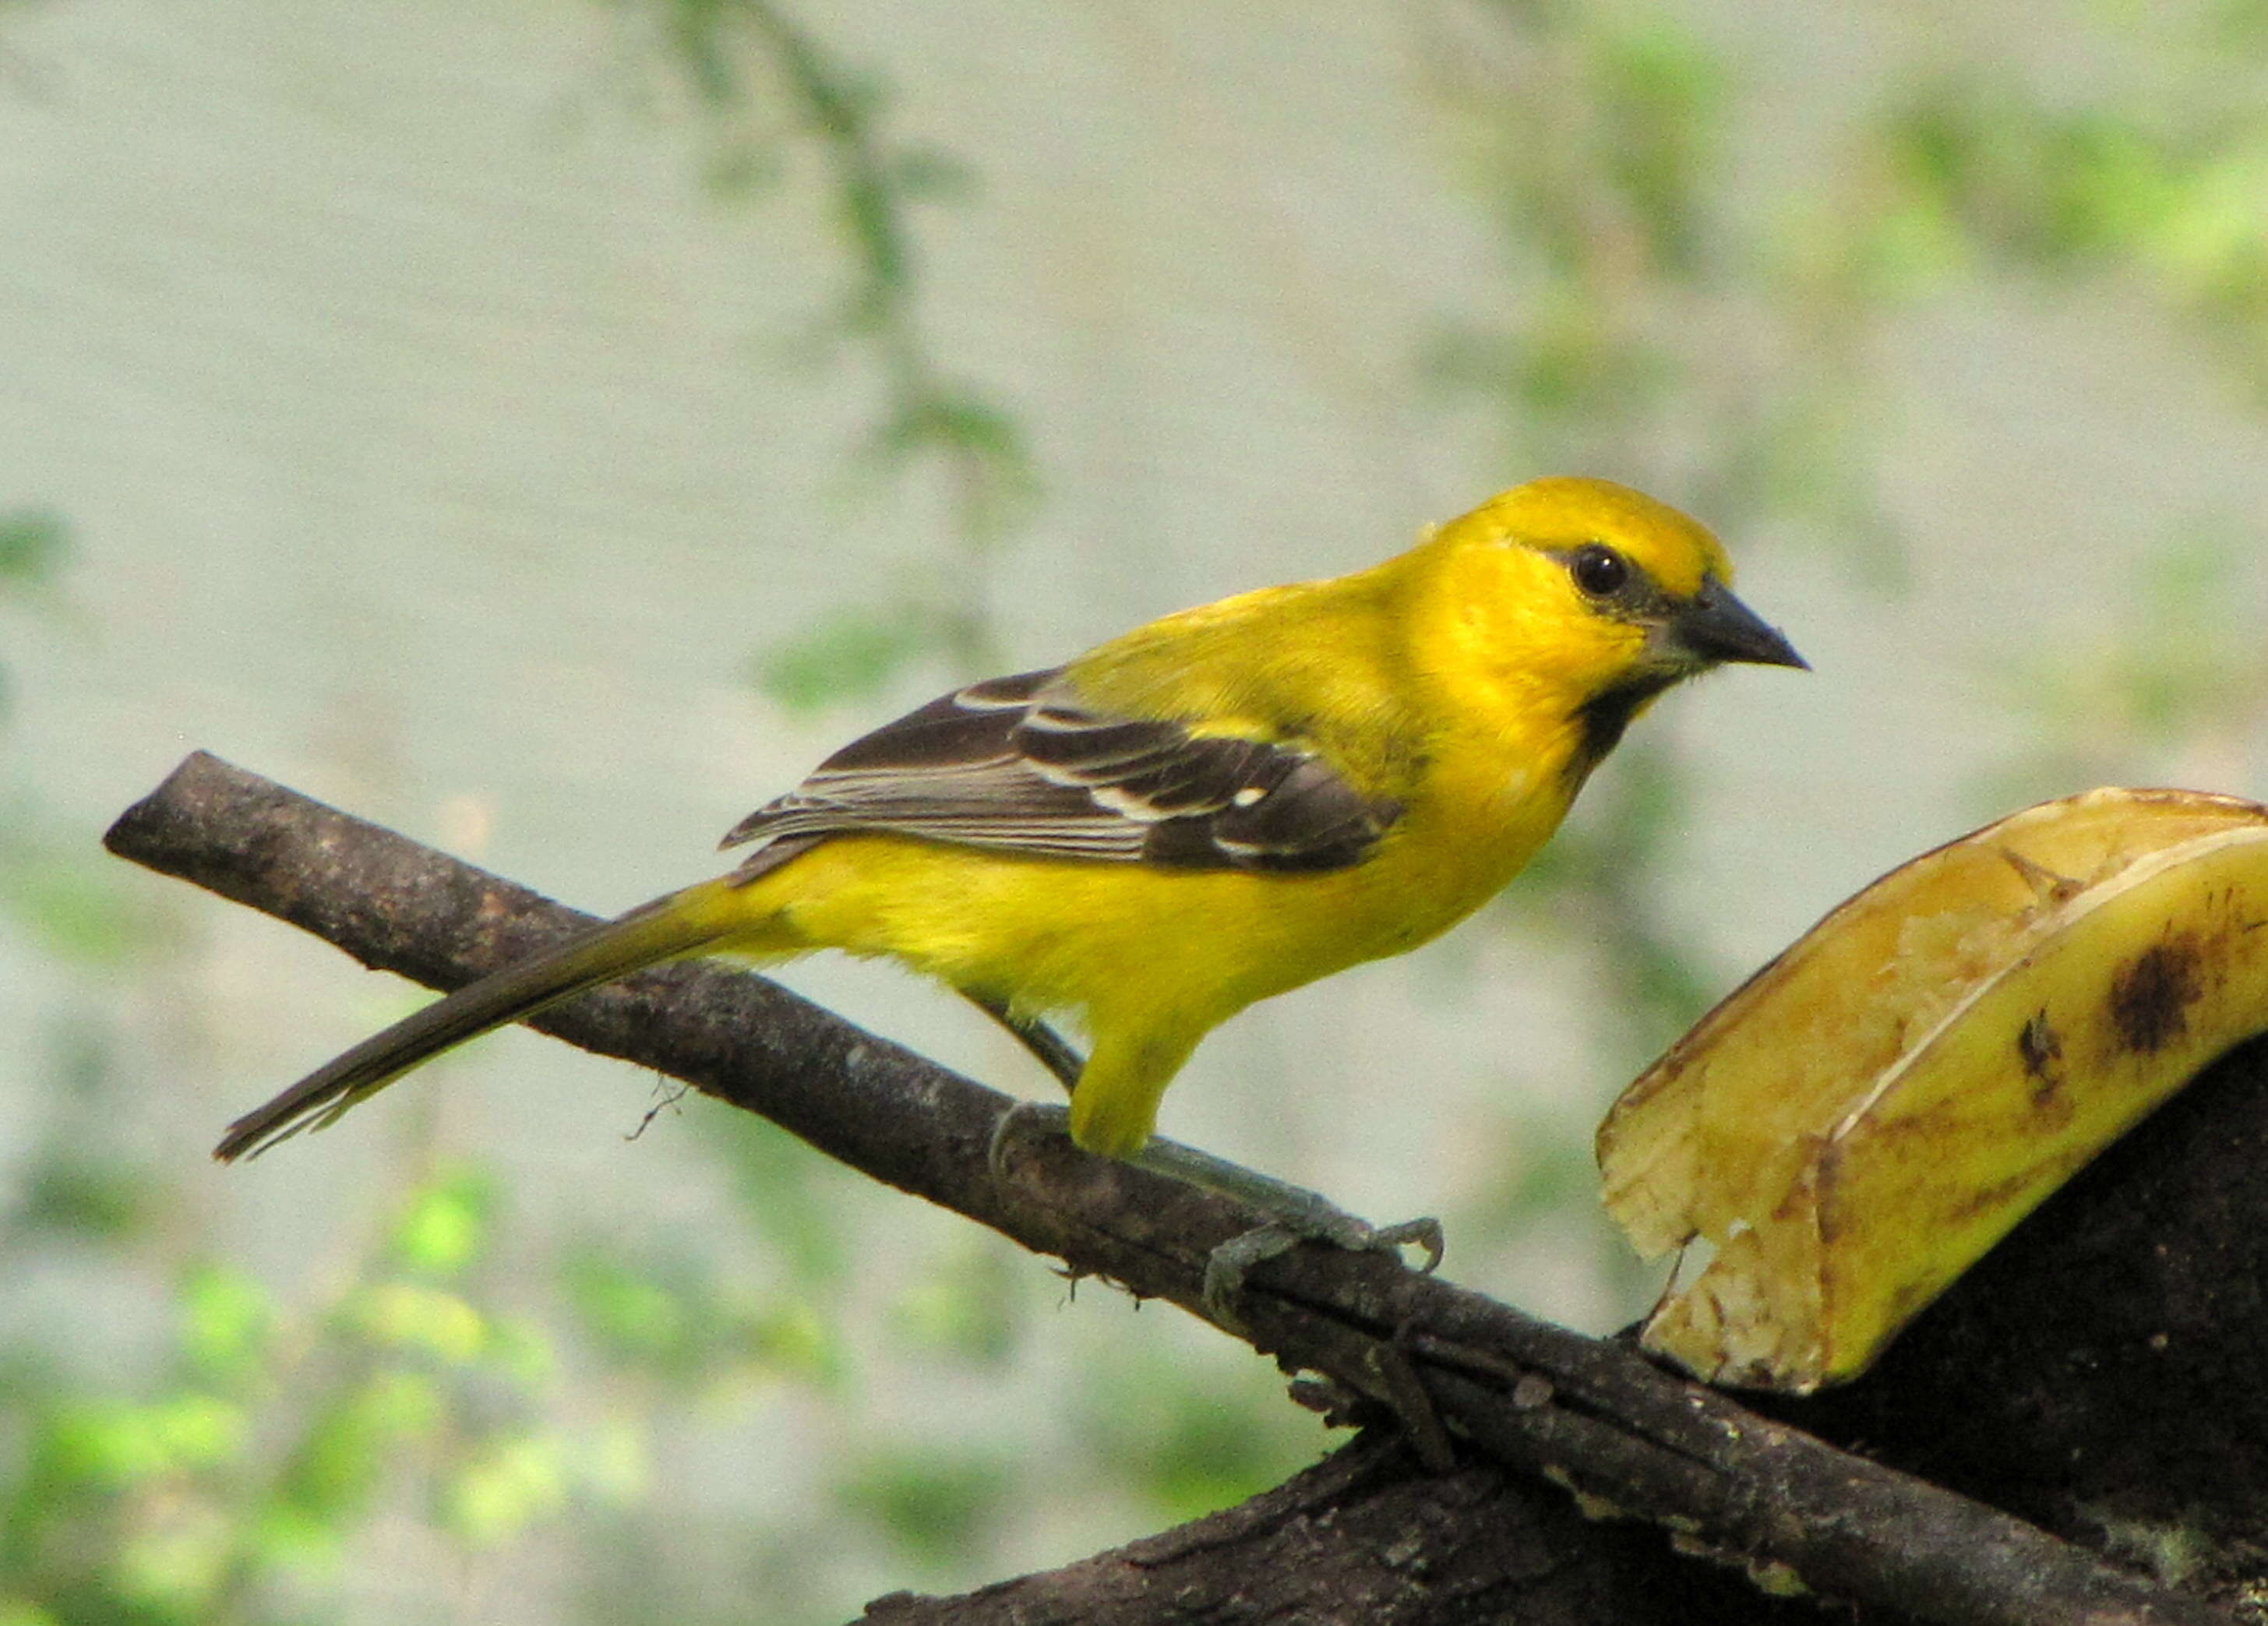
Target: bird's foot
(1228, 1264)
(1295, 1214)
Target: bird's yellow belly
(1152, 959)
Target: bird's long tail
(684, 922)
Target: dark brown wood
(1550, 1407)
(1368, 1537)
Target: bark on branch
(1518, 1404)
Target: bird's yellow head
(1580, 601)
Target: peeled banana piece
(1861, 1119)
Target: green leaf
(445, 1224)
(78, 910)
(627, 1312)
(519, 1350)
(849, 658)
(226, 1318)
(614, 1463)
(963, 1306)
(669, 1316)
(408, 1315)
(174, 1567)
(740, 171)
(513, 1482)
(799, 1199)
(31, 544)
(697, 32)
(98, 1444)
(953, 420)
(71, 1192)
(330, 1478)
(1195, 1437)
(931, 173)
(794, 1341)
(939, 1508)
(1660, 91)
(196, 1430)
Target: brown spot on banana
(2040, 1049)
(2151, 995)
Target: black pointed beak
(1714, 625)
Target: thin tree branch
(1593, 1416)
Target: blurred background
(548, 429)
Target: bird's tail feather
(684, 922)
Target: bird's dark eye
(1599, 570)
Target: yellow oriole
(1215, 807)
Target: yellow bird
(1217, 806)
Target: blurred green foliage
(2166, 692)
(2169, 194)
(32, 545)
(663, 1316)
(936, 1501)
(50, 883)
(773, 96)
(1190, 1440)
(1639, 275)
(235, 1483)
(253, 1458)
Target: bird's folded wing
(1021, 765)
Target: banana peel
(1860, 1121)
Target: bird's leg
(1295, 1214)
(1053, 1051)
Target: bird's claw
(1020, 1121)
(1424, 1233)
(1227, 1265)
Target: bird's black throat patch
(1601, 719)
